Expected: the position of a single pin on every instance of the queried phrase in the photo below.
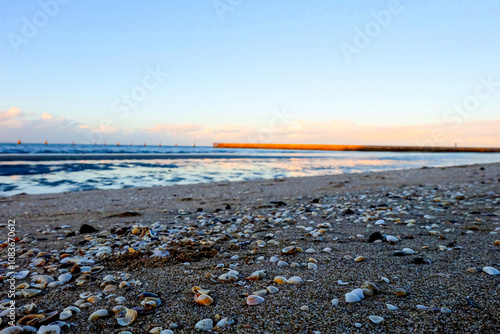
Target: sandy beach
(424, 234)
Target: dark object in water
(86, 228)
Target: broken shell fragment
(98, 314)
(375, 319)
(256, 275)
(129, 318)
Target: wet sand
(448, 216)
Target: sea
(56, 168)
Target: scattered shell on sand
(400, 292)
(391, 307)
(256, 275)
(272, 289)
(375, 319)
(254, 300)
(280, 280)
(98, 314)
(359, 259)
(129, 318)
(226, 322)
(491, 271)
(296, 280)
(352, 298)
(204, 325)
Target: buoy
(19, 142)
(118, 144)
(45, 143)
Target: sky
(325, 72)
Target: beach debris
(205, 325)
(225, 322)
(294, 280)
(391, 307)
(102, 313)
(491, 271)
(375, 319)
(255, 300)
(352, 297)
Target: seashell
(227, 277)
(66, 314)
(73, 309)
(54, 284)
(273, 259)
(203, 299)
(123, 284)
(280, 280)
(296, 280)
(30, 319)
(310, 250)
(385, 279)
(119, 311)
(352, 298)
(408, 251)
(226, 322)
(312, 266)
(85, 295)
(96, 269)
(65, 278)
(291, 250)
(282, 264)
(98, 314)
(42, 279)
(359, 259)
(359, 293)
(422, 307)
(20, 275)
(120, 300)
(327, 249)
(491, 271)
(335, 302)
(497, 242)
(294, 265)
(85, 305)
(12, 330)
(147, 294)
(129, 318)
(254, 300)
(370, 286)
(400, 292)
(256, 275)
(110, 288)
(304, 308)
(108, 278)
(50, 329)
(375, 319)
(445, 310)
(391, 239)
(204, 325)
(272, 289)
(391, 307)
(22, 286)
(94, 299)
(28, 292)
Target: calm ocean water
(125, 166)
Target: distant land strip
(363, 148)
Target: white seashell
(445, 310)
(391, 238)
(385, 279)
(491, 271)
(51, 329)
(422, 307)
(273, 259)
(357, 324)
(312, 266)
(359, 293)
(12, 330)
(310, 250)
(391, 307)
(20, 275)
(234, 257)
(272, 289)
(304, 308)
(408, 251)
(375, 319)
(254, 300)
(327, 250)
(295, 280)
(54, 284)
(226, 322)
(282, 264)
(129, 318)
(294, 265)
(65, 278)
(380, 222)
(204, 325)
(166, 331)
(120, 300)
(340, 282)
(108, 278)
(351, 298)
(98, 314)
(335, 302)
(66, 314)
(260, 258)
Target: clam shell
(352, 298)
(66, 314)
(98, 314)
(272, 289)
(254, 300)
(204, 325)
(312, 266)
(225, 323)
(359, 259)
(391, 238)
(408, 251)
(129, 318)
(280, 280)
(335, 302)
(203, 299)
(20, 275)
(391, 307)
(65, 278)
(359, 293)
(256, 275)
(296, 280)
(375, 319)
(491, 271)
(51, 329)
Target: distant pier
(361, 148)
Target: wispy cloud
(30, 127)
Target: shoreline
(461, 203)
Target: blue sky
(232, 68)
